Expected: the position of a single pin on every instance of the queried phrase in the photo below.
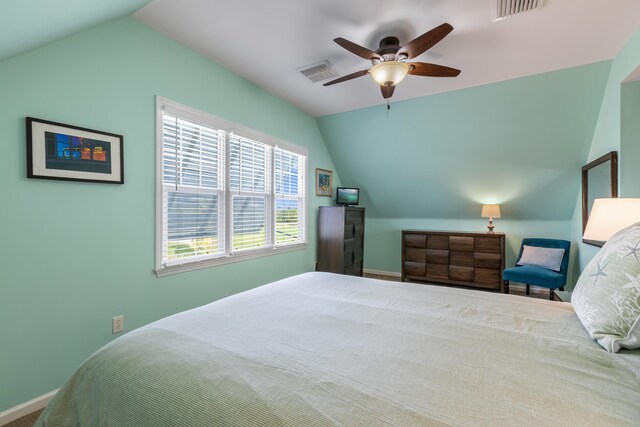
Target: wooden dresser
(468, 259)
(341, 240)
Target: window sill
(242, 256)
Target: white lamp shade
(389, 72)
(490, 211)
(608, 216)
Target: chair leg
(527, 289)
(562, 288)
(506, 286)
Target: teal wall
(435, 160)
(630, 140)
(607, 137)
(73, 255)
(27, 24)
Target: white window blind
(249, 185)
(225, 192)
(193, 190)
(289, 194)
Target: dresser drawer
(415, 268)
(354, 269)
(437, 272)
(354, 216)
(461, 243)
(438, 242)
(416, 255)
(352, 256)
(353, 230)
(437, 256)
(488, 245)
(415, 240)
(348, 258)
(351, 244)
(487, 275)
(463, 274)
(463, 259)
(485, 260)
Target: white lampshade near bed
(608, 216)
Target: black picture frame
(65, 152)
(611, 157)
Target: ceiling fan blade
(356, 49)
(347, 77)
(425, 42)
(431, 70)
(387, 91)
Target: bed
(320, 349)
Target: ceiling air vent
(319, 71)
(508, 8)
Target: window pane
(288, 224)
(287, 172)
(289, 197)
(248, 222)
(248, 165)
(192, 154)
(192, 225)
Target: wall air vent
(319, 71)
(508, 8)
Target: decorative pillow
(549, 258)
(607, 295)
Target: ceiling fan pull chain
(388, 108)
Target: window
(224, 192)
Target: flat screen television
(347, 196)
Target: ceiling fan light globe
(389, 72)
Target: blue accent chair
(538, 276)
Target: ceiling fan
(390, 64)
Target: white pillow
(549, 258)
(607, 295)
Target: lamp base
(490, 226)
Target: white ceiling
(266, 41)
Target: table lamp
(608, 216)
(490, 211)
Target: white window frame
(191, 114)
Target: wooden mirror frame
(613, 158)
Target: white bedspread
(321, 349)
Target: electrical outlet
(117, 324)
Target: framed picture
(72, 153)
(324, 182)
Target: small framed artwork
(72, 153)
(324, 182)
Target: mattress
(320, 349)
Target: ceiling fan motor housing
(389, 46)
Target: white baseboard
(26, 408)
(382, 273)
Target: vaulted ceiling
(266, 42)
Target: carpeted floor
(26, 421)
